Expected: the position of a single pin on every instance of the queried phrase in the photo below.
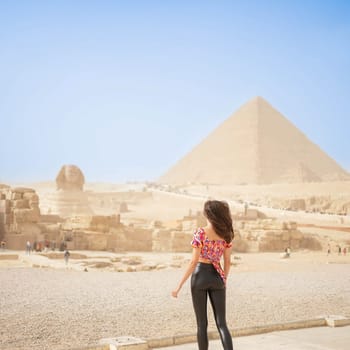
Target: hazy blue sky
(124, 89)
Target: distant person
(339, 250)
(28, 247)
(245, 209)
(208, 278)
(3, 245)
(329, 249)
(66, 256)
(344, 250)
(287, 252)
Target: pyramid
(255, 145)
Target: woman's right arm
(190, 268)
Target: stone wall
(171, 241)
(19, 216)
(319, 204)
(271, 235)
(20, 220)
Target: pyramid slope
(300, 173)
(255, 145)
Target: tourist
(208, 278)
(287, 252)
(66, 256)
(28, 247)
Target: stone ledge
(185, 338)
(93, 347)
(237, 332)
(160, 342)
(131, 343)
(317, 322)
(337, 321)
(8, 256)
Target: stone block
(293, 225)
(125, 343)
(8, 257)
(183, 339)
(49, 218)
(26, 215)
(22, 190)
(97, 242)
(286, 236)
(8, 219)
(296, 235)
(16, 196)
(5, 206)
(295, 244)
(311, 243)
(104, 223)
(50, 228)
(8, 194)
(28, 229)
(337, 321)
(21, 204)
(160, 342)
(123, 208)
(32, 196)
(161, 235)
(79, 222)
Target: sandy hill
(255, 145)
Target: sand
(63, 307)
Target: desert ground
(48, 304)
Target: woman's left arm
(190, 268)
(227, 260)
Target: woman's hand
(191, 266)
(174, 293)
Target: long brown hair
(219, 215)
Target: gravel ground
(43, 308)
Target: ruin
(270, 235)
(19, 216)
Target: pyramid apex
(258, 99)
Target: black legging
(206, 280)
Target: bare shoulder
(211, 234)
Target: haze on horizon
(124, 90)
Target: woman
(209, 244)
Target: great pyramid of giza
(255, 145)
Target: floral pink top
(210, 249)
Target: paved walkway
(318, 338)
